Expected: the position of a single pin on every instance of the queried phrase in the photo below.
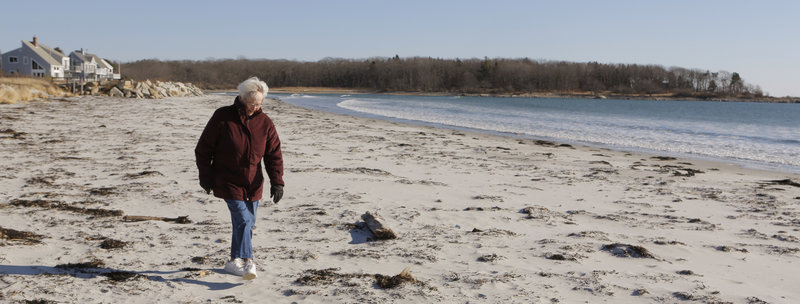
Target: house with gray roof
(90, 67)
(35, 59)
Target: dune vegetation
(20, 89)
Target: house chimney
(83, 52)
(35, 41)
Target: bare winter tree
(421, 74)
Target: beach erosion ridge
(478, 217)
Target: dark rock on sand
(627, 251)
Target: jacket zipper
(247, 157)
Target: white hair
(250, 88)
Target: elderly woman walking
(229, 155)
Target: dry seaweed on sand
(121, 276)
(13, 134)
(113, 244)
(24, 237)
(64, 206)
(40, 180)
(537, 212)
(325, 276)
(782, 182)
(627, 251)
(231, 299)
(199, 259)
(492, 232)
(330, 276)
(688, 172)
(393, 281)
(139, 218)
(663, 158)
(640, 292)
(80, 266)
(145, 173)
(559, 257)
(489, 258)
(39, 301)
(104, 191)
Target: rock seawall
(142, 89)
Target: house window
(35, 65)
(25, 60)
(13, 59)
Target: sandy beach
(479, 218)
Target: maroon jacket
(230, 149)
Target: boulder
(154, 93)
(145, 89)
(133, 93)
(161, 92)
(127, 84)
(116, 92)
(173, 90)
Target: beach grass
(20, 89)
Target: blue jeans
(243, 217)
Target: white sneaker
(249, 270)
(235, 267)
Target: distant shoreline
(585, 95)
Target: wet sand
(479, 218)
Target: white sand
(735, 238)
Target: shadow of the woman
(116, 274)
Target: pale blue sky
(758, 39)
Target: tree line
(423, 74)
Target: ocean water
(758, 135)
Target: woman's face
(252, 104)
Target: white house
(35, 59)
(89, 67)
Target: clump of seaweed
(64, 206)
(393, 281)
(13, 134)
(783, 182)
(82, 266)
(330, 276)
(121, 276)
(16, 236)
(489, 258)
(145, 173)
(138, 218)
(663, 158)
(40, 301)
(113, 244)
(323, 276)
(40, 180)
(104, 191)
(199, 259)
(559, 257)
(492, 232)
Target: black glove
(276, 193)
(206, 187)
